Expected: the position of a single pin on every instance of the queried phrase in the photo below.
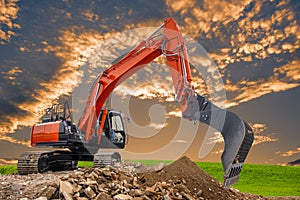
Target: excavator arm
(167, 40)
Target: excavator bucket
(238, 137)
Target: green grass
(85, 164)
(8, 169)
(152, 162)
(266, 180)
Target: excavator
(100, 127)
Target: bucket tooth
(233, 171)
(233, 174)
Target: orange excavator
(102, 128)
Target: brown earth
(179, 180)
(183, 170)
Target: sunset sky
(249, 49)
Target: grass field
(266, 180)
(8, 169)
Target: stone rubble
(111, 183)
(126, 181)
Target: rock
(41, 198)
(150, 190)
(67, 196)
(49, 192)
(199, 193)
(82, 198)
(89, 192)
(103, 196)
(89, 183)
(182, 188)
(16, 186)
(158, 166)
(137, 198)
(79, 173)
(106, 173)
(135, 182)
(54, 184)
(146, 197)
(122, 197)
(181, 180)
(94, 175)
(77, 188)
(166, 197)
(65, 186)
(187, 196)
(138, 193)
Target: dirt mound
(129, 181)
(197, 181)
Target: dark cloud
(45, 45)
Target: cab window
(116, 123)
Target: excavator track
(41, 161)
(30, 162)
(106, 158)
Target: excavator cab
(114, 131)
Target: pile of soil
(183, 170)
(179, 180)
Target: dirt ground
(180, 180)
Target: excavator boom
(167, 40)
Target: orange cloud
(158, 126)
(14, 141)
(259, 134)
(8, 13)
(291, 70)
(248, 90)
(175, 113)
(12, 74)
(182, 6)
(289, 153)
(259, 137)
(75, 50)
(255, 89)
(7, 162)
(201, 18)
(90, 16)
(215, 138)
(149, 90)
(251, 38)
(98, 50)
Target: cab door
(117, 129)
(114, 132)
